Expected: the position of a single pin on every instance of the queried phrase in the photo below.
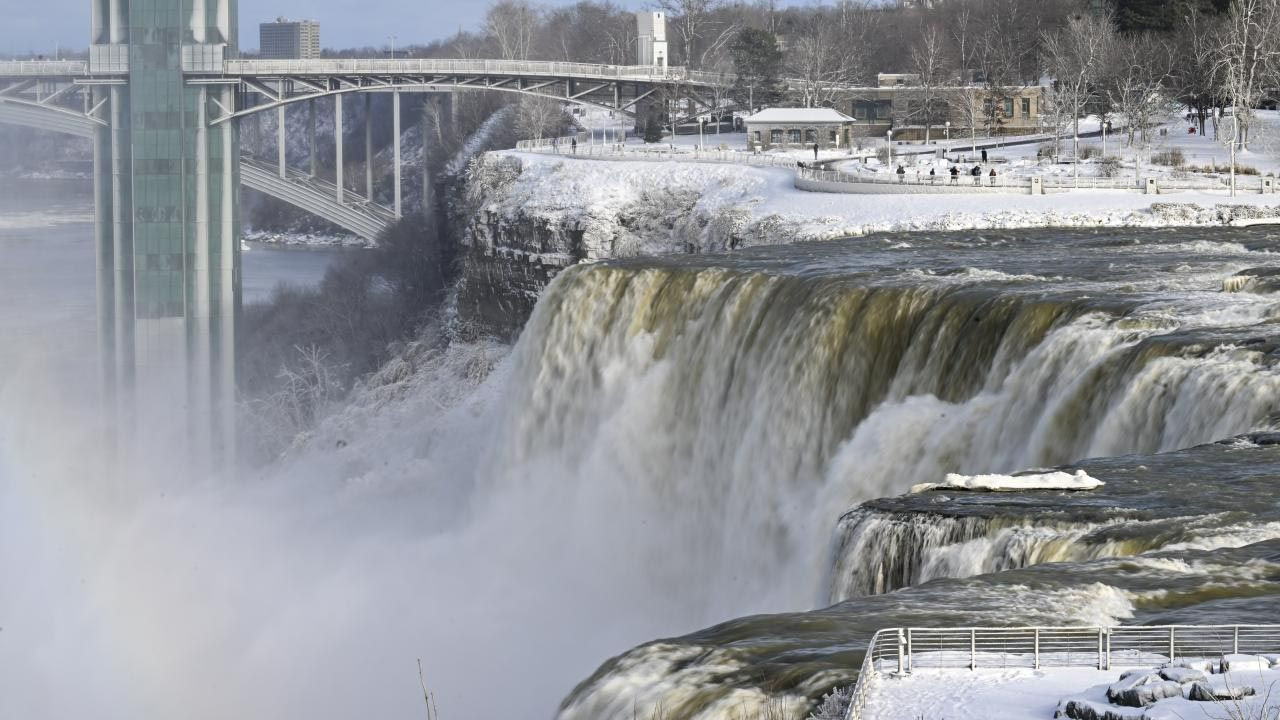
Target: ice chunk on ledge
(1014, 483)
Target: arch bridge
(162, 96)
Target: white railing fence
(944, 180)
(46, 68)
(901, 650)
(656, 152)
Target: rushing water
(678, 442)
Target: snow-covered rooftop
(788, 116)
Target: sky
(343, 23)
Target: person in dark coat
(955, 174)
(815, 151)
(984, 156)
(993, 177)
(902, 173)
(976, 172)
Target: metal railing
(43, 68)
(901, 650)
(1021, 184)
(657, 152)
(522, 68)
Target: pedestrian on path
(976, 172)
(984, 156)
(993, 177)
(933, 175)
(902, 173)
(815, 152)
(575, 146)
(955, 175)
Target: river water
(717, 442)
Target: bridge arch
(275, 104)
(310, 195)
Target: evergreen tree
(757, 62)
(652, 131)
(1159, 15)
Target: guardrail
(657, 152)
(650, 73)
(45, 68)
(901, 650)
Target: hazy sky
(343, 23)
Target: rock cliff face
(512, 245)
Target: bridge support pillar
(311, 134)
(337, 139)
(395, 141)
(368, 147)
(165, 194)
(425, 121)
(282, 144)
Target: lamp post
(888, 136)
(948, 131)
(392, 38)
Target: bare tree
(819, 61)
(1076, 57)
(539, 117)
(512, 24)
(1247, 59)
(1195, 80)
(1137, 89)
(693, 23)
(930, 66)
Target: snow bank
(642, 207)
(1014, 483)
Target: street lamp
(392, 38)
(948, 131)
(888, 136)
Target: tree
(1076, 57)
(512, 24)
(823, 60)
(1137, 89)
(539, 117)
(652, 131)
(1136, 16)
(930, 67)
(693, 23)
(1248, 56)
(1195, 80)
(757, 66)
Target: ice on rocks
(1237, 663)
(1214, 692)
(1081, 709)
(1142, 689)
(1183, 675)
(1014, 483)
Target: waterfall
(745, 412)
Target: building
(287, 39)
(799, 127)
(651, 39)
(903, 109)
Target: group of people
(975, 173)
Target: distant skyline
(65, 23)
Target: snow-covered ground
(705, 204)
(745, 205)
(1202, 155)
(1027, 694)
